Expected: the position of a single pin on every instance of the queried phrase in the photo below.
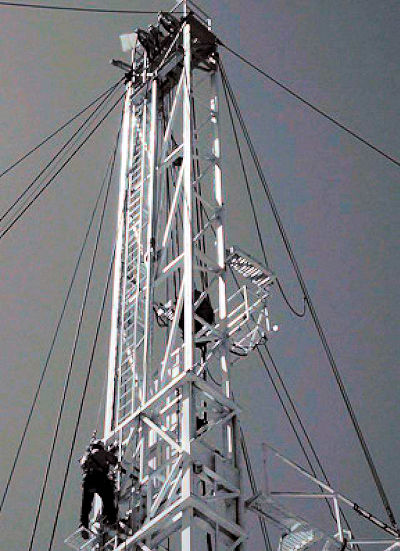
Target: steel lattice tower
(169, 406)
(169, 403)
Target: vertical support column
(338, 519)
(113, 349)
(187, 395)
(232, 443)
(220, 231)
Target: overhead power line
(60, 128)
(313, 107)
(76, 9)
(317, 323)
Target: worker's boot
(84, 531)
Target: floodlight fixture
(128, 41)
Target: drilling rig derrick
(169, 410)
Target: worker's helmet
(97, 445)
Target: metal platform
(297, 533)
(79, 543)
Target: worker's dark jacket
(98, 460)
(96, 480)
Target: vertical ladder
(133, 272)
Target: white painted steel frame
(183, 490)
(339, 534)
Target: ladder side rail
(110, 405)
(124, 268)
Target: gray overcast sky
(338, 199)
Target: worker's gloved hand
(113, 447)
(121, 468)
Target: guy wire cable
(275, 366)
(55, 335)
(282, 382)
(76, 9)
(288, 416)
(55, 163)
(63, 147)
(63, 165)
(246, 180)
(76, 339)
(254, 488)
(303, 428)
(253, 209)
(58, 130)
(61, 497)
(253, 483)
(86, 384)
(313, 107)
(56, 160)
(310, 305)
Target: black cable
(90, 364)
(62, 166)
(294, 408)
(280, 287)
(303, 428)
(60, 151)
(60, 155)
(86, 379)
(310, 305)
(44, 370)
(64, 125)
(212, 376)
(250, 195)
(55, 165)
(70, 8)
(82, 402)
(51, 170)
(286, 411)
(295, 312)
(253, 484)
(74, 346)
(313, 107)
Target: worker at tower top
(97, 479)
